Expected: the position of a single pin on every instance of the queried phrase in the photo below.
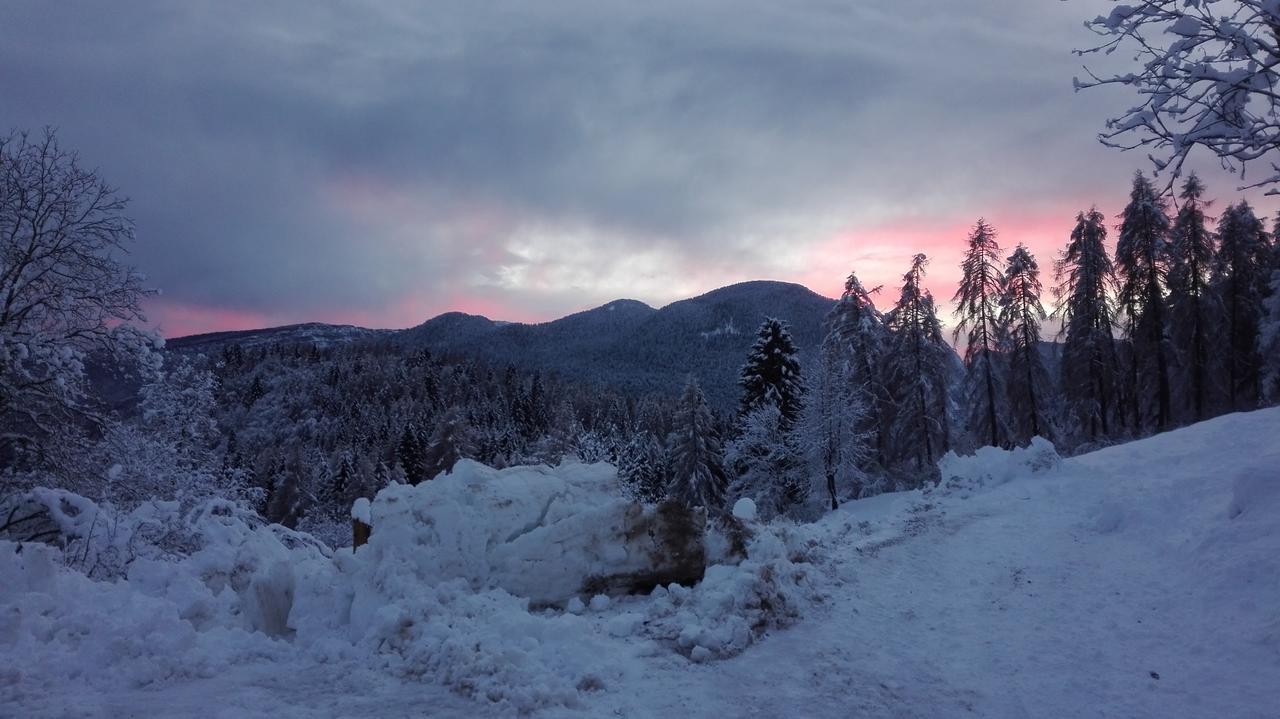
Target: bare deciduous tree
(64, 293)
(1207, 77)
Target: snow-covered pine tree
(1029, 392)
(978, 308)
(833, 432)
(772, 373)
(255, 392)
(1084, 279)
(1239, 281)
(341, 488)
(857, 336)
(409, 455)
(1142, 264)
(1192, 306)
(450, 441)
(643, 468)
(916, 371)
(697, 463)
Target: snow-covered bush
(170, 453)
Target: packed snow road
(1142, 580)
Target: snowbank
(991, 467)
(540, 533)
(170, 617)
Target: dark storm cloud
(387, 159)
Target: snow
(745, 509)
(536, 532)
(1136, 581)
(362, 511)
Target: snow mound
(59, 626)
(990, 467)
(487, 645)
(541, 533)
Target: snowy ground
(1138, 581)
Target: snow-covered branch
(1206, 77)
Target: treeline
(1179, 323)
(313, 428)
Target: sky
(381, 163)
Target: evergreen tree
(255, 392)
(1239, 281)
(341, 489)
(1142, 263)
(1192, 309)
(916, 370)
(697, 464)
(450, 442)
(978, 307)
(409, 455)
(1084, 277)
(643, 468)
(857, 336)
(1028, 388)
(772, 373)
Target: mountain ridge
(623, 343)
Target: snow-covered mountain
(310, 333)
(629, 345)
(624, 344)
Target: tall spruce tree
(772, 373)
(1028, 388)
(697, 463)
(1142, 265)
(1192, 306)
(978, 308)
(1239, 280)
(856, 339)
(1089, 365)
(916, 370)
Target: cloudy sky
(380, 163)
